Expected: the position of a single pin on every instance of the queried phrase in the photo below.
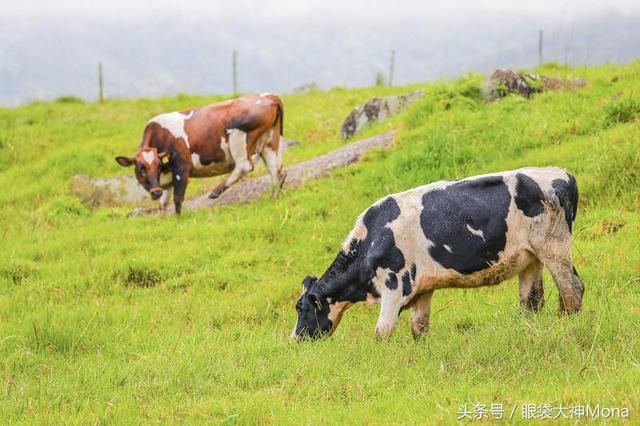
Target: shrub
(68, 99)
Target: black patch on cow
(380, 244)
(567, 194)
(413, 272)
(350, 276)
(245, 122)
(529, 196)
(483, 205)
(392, 281)
(406, 283)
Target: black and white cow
(468, 233)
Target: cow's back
(468, 226)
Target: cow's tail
(278, 123)
(279, 120)
(280, 115)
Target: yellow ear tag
(165, 160)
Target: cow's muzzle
(155, 193)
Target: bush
(68, 99)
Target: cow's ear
(308, 282)
(125, 161)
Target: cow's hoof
(213, 195)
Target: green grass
(105, 319)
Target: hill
(108, 319)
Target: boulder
(505, 81)
(108, 192)
(376, 109)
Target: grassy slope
(107, 319)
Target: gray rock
(505, 81)
(108, 192)
(376, 109)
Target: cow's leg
(273, 162)
(531, 289)
(390, 305)
(568, 282)
(165, 199)
(180, 180)
(421, 310)
(556, 255)
(243, 162)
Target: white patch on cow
(174, 122)
(265, 94)
(238, 145)
(258, 101)
(477, 232)
(148, 156)
(390, 303)
(447, 248)
(178, 177)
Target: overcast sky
(280, 8)
(50, 48)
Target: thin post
(234, 70)
(391, 64)
(540, 59)
(100, 83)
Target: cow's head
(148, 163)
(318, 313)
(313, 312)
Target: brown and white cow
(468, 233)
(208, 141)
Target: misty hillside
(45, 57)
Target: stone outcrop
(376, 109)
(505, 81)
(108, 192)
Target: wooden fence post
(100, 83)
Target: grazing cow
(468, 233)
(209, 141)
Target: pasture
(105, 319)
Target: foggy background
(155, 48)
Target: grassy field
(105, 319)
